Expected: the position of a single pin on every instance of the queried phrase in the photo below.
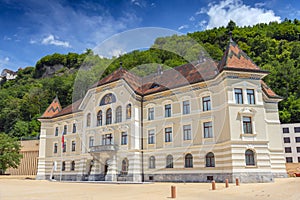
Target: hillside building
(194, 123)
(8, 75)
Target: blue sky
(31, 29)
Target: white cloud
(202, 11)
(183, 27)
(192, 18)
(4, 61)
(202, 23)
(51, 40)
(260, 4)
(243, 15)
(139, 3)
(32, 41)
(6, 38)
(83, 28)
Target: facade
(29, 162)
(193, 123)
(8, 75)
(291, 142)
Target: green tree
(9, 153)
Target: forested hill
(274, 47)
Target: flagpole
(61, 154)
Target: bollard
(213, 185)
(237, 182)
(173, 191)
(226, 183)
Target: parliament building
(193, 123)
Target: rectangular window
(168, 110)
(285, 130)
(65, 129)
(297, 129)
(124, 138)
(187, 135)
(150, 113)
(247, 125)
(289, 159)
(208, 132)
(91, 141)
(168, 134)
(288, 150)
(151, 137)
(250, 96)
(298, 149)
(298, 159)
(107, 139)
(186, 107)
(73, 145)
(55, 148)
(206, 103)
(297, 139)
(56, 131)
(286, 140)
(238, 93)
(74, 128)
(65, 147)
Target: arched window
(108, 116)
(119, 114)
(72, 166)
(63, 166)
(169, 161)
(210, 159)
(99, 118)
(188, 161)
(128, 111)
(124, 167)
(249, 157)
(152, 162)
(88, 120)
(108, 99)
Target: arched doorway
(106, 167)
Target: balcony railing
(101, 148)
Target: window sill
(248, 135)
(251, 166)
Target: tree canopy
(9, 153)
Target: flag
(62, 141)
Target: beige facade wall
(29, 162)
(228, 142)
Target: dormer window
(154, 85)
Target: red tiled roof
(270, 93)
(69, 109)
(235, 58)
(53, 109)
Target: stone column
(135, 167)
(41, 173)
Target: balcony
(102, 148)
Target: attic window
(154, 85)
